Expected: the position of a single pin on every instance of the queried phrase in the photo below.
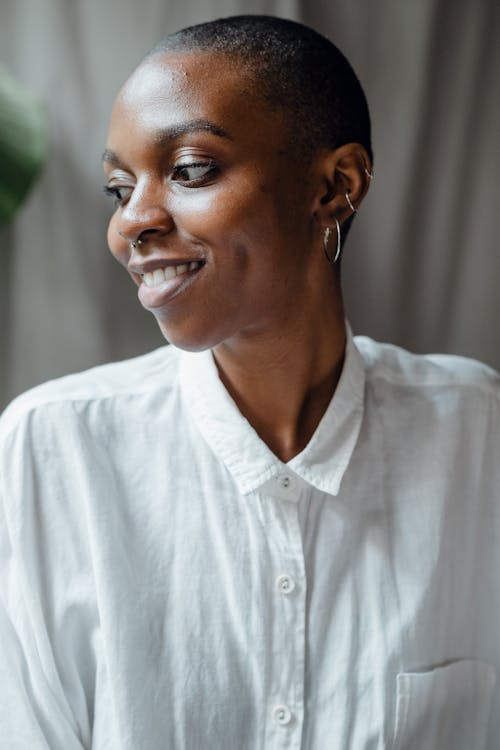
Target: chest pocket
(446, 708)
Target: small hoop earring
(369, 174)
(349, 203)
(326, 237)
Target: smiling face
(203, 176)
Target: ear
(344, 171)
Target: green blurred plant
(23, 144)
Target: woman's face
(202, 173)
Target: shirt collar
(251, 463)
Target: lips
(162, 284)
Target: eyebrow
(166, 135)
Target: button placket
(285, 708)
(286, 487)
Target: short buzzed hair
(294, 68)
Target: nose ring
(133, 245)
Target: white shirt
(169, 584)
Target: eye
(119, 194)
(195, 173)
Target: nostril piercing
(134, 244)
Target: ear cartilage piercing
(349, 203)
(369, 174)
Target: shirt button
(285, 481)
(282, 715)
(285, 584)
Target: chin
(189, 339)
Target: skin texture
(266, 301)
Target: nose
(144, 215)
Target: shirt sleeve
(39, 704)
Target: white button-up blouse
(167, 583)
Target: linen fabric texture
(167, 582)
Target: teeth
(168, 273)
(159, 275)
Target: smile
(162, 286)
(160, 275)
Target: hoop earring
(369, 174)
(326, 237)
(349, 203)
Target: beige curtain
(422, 264)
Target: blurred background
(422, 265)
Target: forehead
(175, 86)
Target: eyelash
(210, 167)
(115, 193)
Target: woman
(268, 534)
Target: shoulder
(427, 372)
(133, 378)
(432, 392)
(438, 415)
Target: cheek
(238, 226)
(203, 212)
(223, 210)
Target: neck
(282, 380)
